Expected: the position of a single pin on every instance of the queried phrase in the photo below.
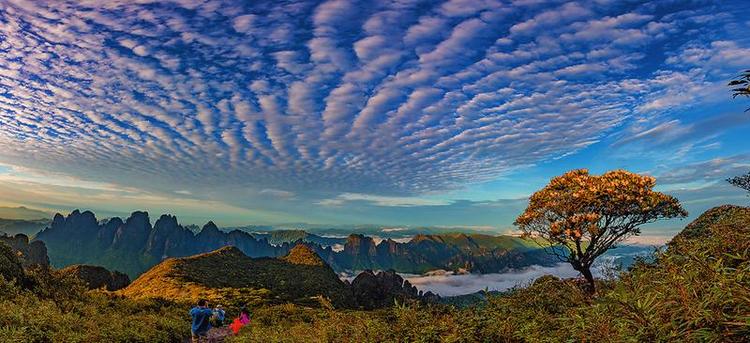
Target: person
(244, 316)
(240, 321)
(219, 316)
(201, 315)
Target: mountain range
(22, 213)
(28, 227)
(134, 245)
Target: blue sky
(385, 112)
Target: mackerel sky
(385, 112)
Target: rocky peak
(357, 244)
(75, 225)
(58, 220)
(210, 228)
(138, 219)
(303, 254)
(372, 290)
(166, 221)
(134, 232)
(97, 277)
(29, 253)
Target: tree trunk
(586, 272)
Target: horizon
(312, 112)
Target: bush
(59, 309)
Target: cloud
(682, 138)
(708, 171)
(340, 102)
(382, 200)
(447, 284)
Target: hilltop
(304, 255)
(226, 273)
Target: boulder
(97, 277)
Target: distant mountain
(423, 253)
(278, 237)
(22, 213)
(227, 273)
(341, 231)
(134, 245)
(29, 227)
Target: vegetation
(590, 214)
(225, 274)
(42, 305)
(741, 88)
(742, 181)
(741, 85)
(697, 290)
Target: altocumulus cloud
(329, 99)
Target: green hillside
(224, 274)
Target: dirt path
(217, 335)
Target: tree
(742, 181)
(741, 85)
(577, 217)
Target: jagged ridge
(133, 246)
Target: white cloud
(379, 103)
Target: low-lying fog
(447, 284)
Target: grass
(59, 309)
(217, 275)
(698, 290)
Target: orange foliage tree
(741, 85)
(579, 216)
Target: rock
(10, 265)
(29, 254)
(97, 277)
(379, 290)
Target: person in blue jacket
(201, 315)
(219, 316)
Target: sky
(439, 113)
